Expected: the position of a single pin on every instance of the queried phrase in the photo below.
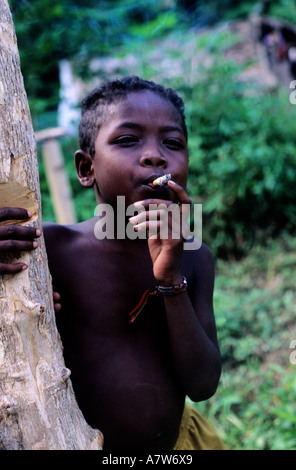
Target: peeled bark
(38, 409)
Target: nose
(153, 159)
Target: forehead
(143, 106)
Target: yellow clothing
(196, 433)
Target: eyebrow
(136, 126)
(130, 125)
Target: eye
(126, 140)
(174, 144)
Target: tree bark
(38, 409)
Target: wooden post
(56, 175)
(38, 409)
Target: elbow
(204, 387)
(202, 393)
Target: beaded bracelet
(173, 290)
(157, 290)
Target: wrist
(171, 281)
(173, 289)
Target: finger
(161, 211)
(153, 213)
(14, 213)
(57, 307)
(16, 245)
(56, 304)
(151, 228)
(180, 192)
(12, 268)
(142, 206)
(180, 196)
(162, 229)
(18, 232)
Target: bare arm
(193, 333)
(190, 319)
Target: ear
(84, 168)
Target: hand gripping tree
(38, 409)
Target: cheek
(181, 175)
(112, 182)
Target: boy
(131, 380)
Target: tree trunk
(38, 409)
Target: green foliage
(284, 9)
(255, 301)
(257, 297)
(209, 12)
(156, 27)
(51, 30)
(242, 158)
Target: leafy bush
(242, 158)
(284, 9)
(49, 31)
(208, 12)
(255, 308)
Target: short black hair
(94, 105)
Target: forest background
(242, 169)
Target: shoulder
(198, 254)
(55, 233)
(71, 236)
(53, 230)
(65, 245)
(58, 236)
(199, 265)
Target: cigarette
(162, 180)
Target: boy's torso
(123, 375)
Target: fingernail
(38, 232)
(24, 267)
(35, 244)
(29, 214)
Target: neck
(112, 227)
(112, 222)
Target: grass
(255, 303)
